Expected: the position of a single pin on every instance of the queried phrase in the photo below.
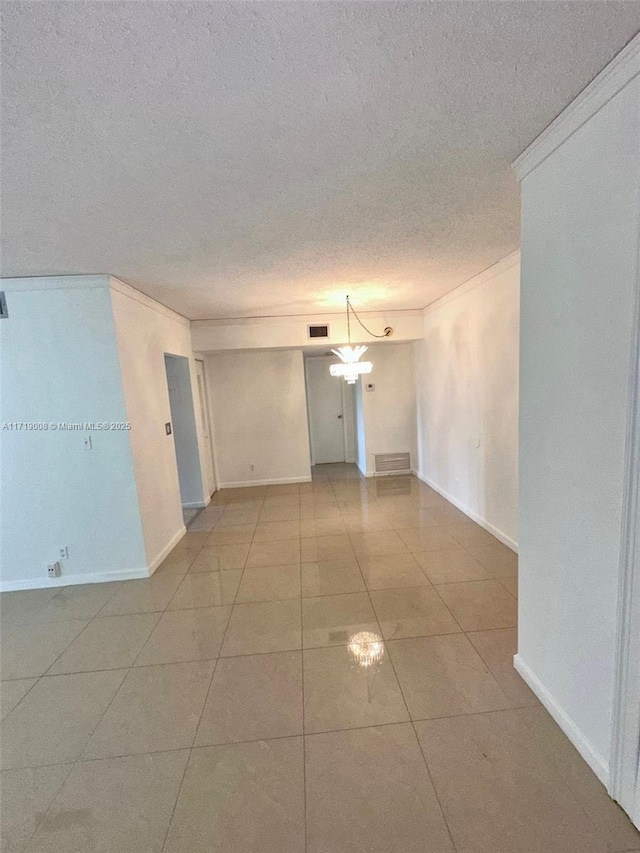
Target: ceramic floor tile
(267, 626)
(234, 518)
(214, 558)
(410, 612)
(83, 601)
(245, 797)
(278, 553)
(331, 577)
(340, 694)
(12, 692)
(478, 605)
(289, 512)
(377, 544)
(30, 651)
(113, 805)
(450, 566)
(157, 708)
(412, 518)
(369, 790)
(16, 608)
(319, 548)
(110, 642)
(444, 675)
(253, 698)
(508, 781)
(269, 583)
(206, 589)
(147, 595)
(238, 535)
(448, 515)
(192, 540)
(497, 648)
(469, 533)
(186, 635)
(332, 620)
(511, 585)
(275, 531)
(314, 527)
(500, 561)
(72, 706)
(391, 571)
(419, 539)
(177, 563)
(26, 796)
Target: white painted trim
(196, 504)
(491, 272)
(168, 548)
(614, 77)
(73, 580)
(624, 759)
(593, 758)
(307, 319)
(506, 540)
(238, 484)
(127, 290)
(54, 282)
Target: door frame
(207, 411)
(624, 761)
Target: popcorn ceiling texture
(238, 159)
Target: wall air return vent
(388, 463)
(318, 331)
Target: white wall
(183, 422)
(386, 416)
(145, 331)
(259, 417)
(60, 364)
(467, 398)
(580, 233)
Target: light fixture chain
(385, 334)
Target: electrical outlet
(63, 552)
(53, 570)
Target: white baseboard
(593, 758)
(506, 540)
(195, 504)
(171, 544)
(74, 580)
(238, 484)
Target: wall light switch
(86, 442)
(167, 428)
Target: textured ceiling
(239, 158)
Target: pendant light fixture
(351, 367)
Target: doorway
(330, 405)
(183, 428)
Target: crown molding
(127, 290)
(507, 263)
(54, 282)
(622, 69)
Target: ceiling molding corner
(622, 69)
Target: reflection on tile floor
(324, 667)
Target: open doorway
(331, 411)
(185, 437)
(205, 425)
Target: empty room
(320, 426)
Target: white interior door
(324, 400)
(203, 411)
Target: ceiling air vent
(318, 331)
(386, 463)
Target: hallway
(324, 667)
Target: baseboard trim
(195, 504)
(593, 758)
(73, 580)
(506, 540)
(168, 548)
(239, 484)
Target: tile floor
(322, 668)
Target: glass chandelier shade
(351, 366)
